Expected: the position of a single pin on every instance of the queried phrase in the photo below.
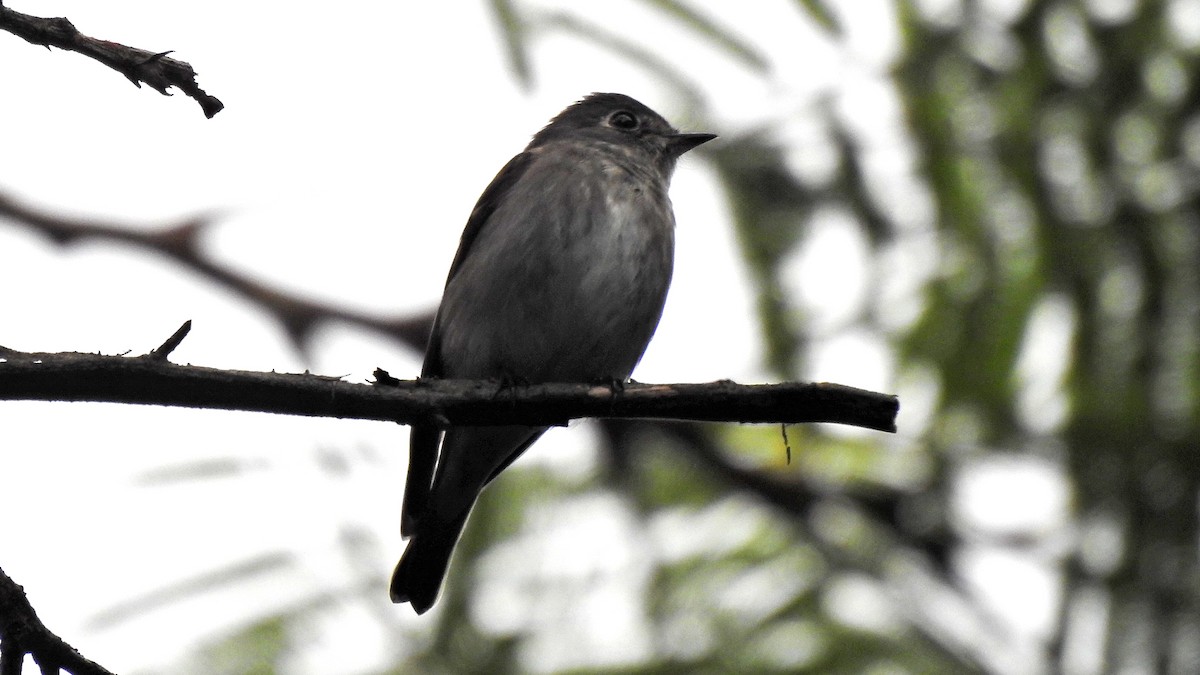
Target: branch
(22, 632)
(138, 65)
(153, 380)
(180, 242)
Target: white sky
(353, 144)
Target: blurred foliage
(1060, 144)
(1052, 191)
(251, 651)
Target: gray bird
(560, 276)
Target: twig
(138, 65)
(164, 350)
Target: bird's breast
(566, 285)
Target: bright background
(354, 141)
(353, 144)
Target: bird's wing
(424, 439)
(489, 201)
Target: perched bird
(560, 276)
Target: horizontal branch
(137, 65)
(153, 380)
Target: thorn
(155, 57)
(164, 350)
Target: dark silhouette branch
(137, 65)
(22, 632)
(180, 242)
(152, 380)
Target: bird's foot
(615, 385)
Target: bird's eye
(623, 120)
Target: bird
(561, 275)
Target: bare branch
(181, 242)
(151, 380)
(138, 65)
(22, 632)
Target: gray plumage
(561, 276)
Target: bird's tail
(470, 457)
(422, 457)
(419, 574)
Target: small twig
(137, 65)
(164, 350)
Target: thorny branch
(137, 65)
(152, 379)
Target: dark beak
(677, 144)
